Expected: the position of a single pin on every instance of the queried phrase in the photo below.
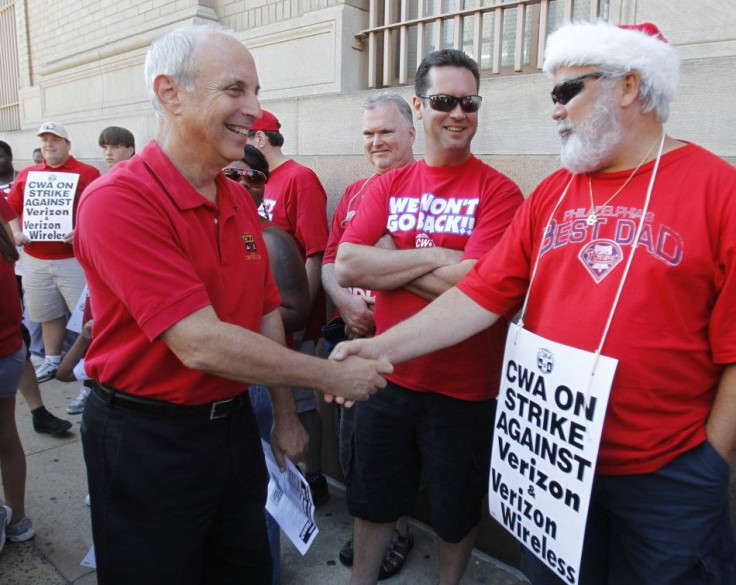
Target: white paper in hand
(289, 501)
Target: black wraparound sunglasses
(446, 103)
(252, 176)
(564, 91)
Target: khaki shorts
(51, 287)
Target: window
(9, 70)
(503, 36)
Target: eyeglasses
(564, 91)
(446, 103)
(252, 176)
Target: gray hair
(171, 55)
(651, 98)
(390, 97)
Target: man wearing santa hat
(663, 307)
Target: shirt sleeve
(310, 210)
(337, 229)
(367, 227)
(498, 281)
(132, 247)
(494, 218)
(722, 325)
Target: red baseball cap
(267, 122)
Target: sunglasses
(252, 176)
(564, 91)
(446, 103)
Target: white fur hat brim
(611, 48)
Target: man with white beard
(659, 504)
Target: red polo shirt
(51, 250)
(155, 251)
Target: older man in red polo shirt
(185, 318)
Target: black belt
(211, 411)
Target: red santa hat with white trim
(639, 47)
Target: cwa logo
(545, 360)
(422, 240)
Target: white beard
(595, 140)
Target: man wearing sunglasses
(186, 317)
(432, 220)
(388, 141)
(659, 510)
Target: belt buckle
(213, 410)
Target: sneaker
(77, 405)
(21, 530)
(318, 486)
(46, 371)
(37, 360)
(45, 422)
(5, 514)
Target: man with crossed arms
(439, 216)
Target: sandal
(347, 553)
(395, 555)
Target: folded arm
(354, 309)
(383, 269)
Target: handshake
(358, 367)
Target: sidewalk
(55, 491)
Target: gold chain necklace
(592, 215)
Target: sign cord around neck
(628, 262)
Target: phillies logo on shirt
(250, 246)
(600, 257)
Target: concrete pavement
(55, 491)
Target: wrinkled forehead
(381, 116)
(218, 52)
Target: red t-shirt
(296, 202)
(155, 251)
(6, 212)
(675, 324)
(10, 309)
(465, 207)
(51, 250)
(346, 209)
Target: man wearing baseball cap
(52, 277)
(629, 251)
